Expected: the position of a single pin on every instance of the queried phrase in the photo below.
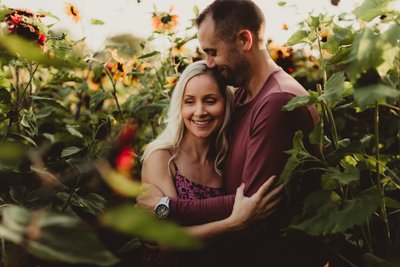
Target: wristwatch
(162, 208)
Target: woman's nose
(200, 111)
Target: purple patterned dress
(185, 189)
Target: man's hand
(263, 203)
(149, 197)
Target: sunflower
(72, 11)
(164, 21)
(94, 80)
(171, 81)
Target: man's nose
(210, 62)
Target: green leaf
(31, 52)
(374, 261)
(70, 151)
(73, 131)
(350, 174)
(54, 237)
(343, 36)
(369, 95)
(119, 182)
(341, 56)
(315, 136)
(98, 98)
(298, 37)
(50, 102)
(392, 203)
(300, 101)
(29, 121)
(11, 153)
(297, 155)
(4, 12)
(4, 82)
(334, 88)
(131, 220)
(96, 22)
(390, 49)
(371, 9)
(48, 14)
(325, 213)
(152, 54)
(281, 3)
(365, 52)
(91, 203)
(5, 100)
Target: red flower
(20, 25)
(125, 160)
(41, 39)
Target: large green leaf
(350, 174)
(131, 220)
(91, 203)
(98, 98)
(365, 52)
(325, 213)
(298, 37)
(11, 153)
(371, 94)
(30, 51)
(334, 88)
(54, 237)
(49, 101)
(371, 9)
(300, 101)
(390, 49)
(297, 155)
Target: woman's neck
(197, 148)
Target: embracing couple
(213, 167)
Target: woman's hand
(264, 202)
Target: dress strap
(173, 162)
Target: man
(231, 32)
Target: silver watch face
(162, 211)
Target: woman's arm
(155, 172)
(246, 210)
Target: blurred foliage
(356, 212)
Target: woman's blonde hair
(171, 137)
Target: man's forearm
(195, 212)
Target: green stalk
(114, 94)
(382, 211)
(7, 130)
(31, 74)
(329, 114)
(321, 57)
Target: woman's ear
(245, 39)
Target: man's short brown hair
(230, 16)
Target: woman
(184, 160)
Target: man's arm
(245, 211)
(187, 212)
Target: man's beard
(238, 74)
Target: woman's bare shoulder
(158, 156)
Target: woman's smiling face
(203, 106)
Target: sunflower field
(74, 123)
